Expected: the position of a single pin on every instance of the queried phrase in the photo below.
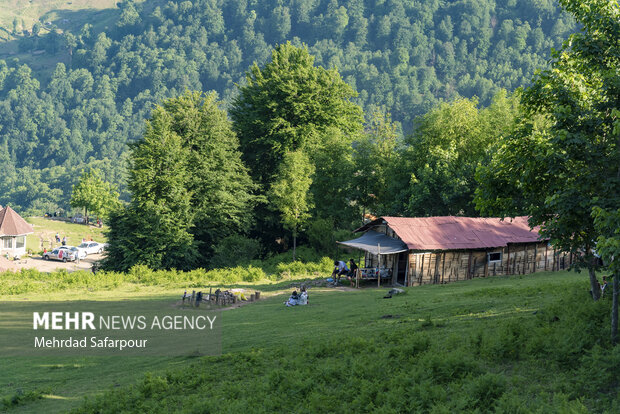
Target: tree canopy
(290, 193)
(290, 105)
(557, 174)
(94, 194)
(401, 57)
(189, 188)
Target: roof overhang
(376, 243)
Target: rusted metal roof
(457, 233)
(11, 223)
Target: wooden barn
(433, 250)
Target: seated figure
(293, 300)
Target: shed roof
(376, 243)
(457, 233)
(11, 223)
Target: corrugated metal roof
(11, 223)
(457, 233)
(376, 243)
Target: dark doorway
(402, 268)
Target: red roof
(457, 233)
(11, 223)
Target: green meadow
(533, 343)
(45, 230)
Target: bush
(298, 269)
(233, 251)
(320, 235)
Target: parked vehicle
(61, 254)
(79, 253)
(92, 247)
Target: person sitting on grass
(303, 296)
(340, 268)
(293, 300)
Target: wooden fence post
(421, 270)
(443, 266)
(507, 272)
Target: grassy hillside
(28, 12)
(46, 229)
(507, 344)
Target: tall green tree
(448, 144)
(155, 229)
(222, 190)
(94, 194)
(379, 171)
(189, 188)
(290, 105)
(560, 173)
(290, 193)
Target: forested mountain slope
(401, 56)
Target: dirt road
(37, 262)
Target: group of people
(300, 298)
(341, 269)
(64, 239)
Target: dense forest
(401, 57)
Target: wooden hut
(433, 250)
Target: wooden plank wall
(451, 266)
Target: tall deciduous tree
(155, 229)
(289, 105)
(379, 168)
(189, 188)
(222, 190)
(448, 144)
(560, 173)
(94, 194)
(290, 193)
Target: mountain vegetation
(397, 56)
(566, 176)
(189, 188)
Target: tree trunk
(614, 310)
(594, 285)
(614, 303)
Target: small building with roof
(13, 231)
(435, 250)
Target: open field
(31, 11)
(45, 230)
(53, 14)
(505, 344)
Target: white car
(60, 254)
(92, 247)
(79, 253)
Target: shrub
(320, 235)
(234, 250)
(484, 390)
